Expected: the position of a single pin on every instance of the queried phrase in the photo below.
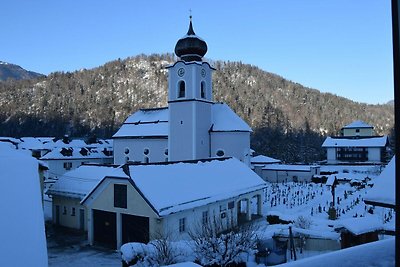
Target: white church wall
(233, 144)
(134, 150)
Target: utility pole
(396, 75)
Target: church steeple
(191, 47)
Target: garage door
(105, 228)
(135, 229)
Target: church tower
(189, 100)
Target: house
(193, 126)
(171, 199)
(357, 145)
(276, 173)
(68, 156)
(72, 187)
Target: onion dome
(190, 47)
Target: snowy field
(290, 201)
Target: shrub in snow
(213, 245)
(303, 222)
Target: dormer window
(182, 89)
(203, 90)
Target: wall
(374, 154)
(331, 155)
(278, 176)
(157, 148)
(234, 144)
(67, 220)
(362, 132)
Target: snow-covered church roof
(154, 122)
(81, 181)
(357, 124)
(383, 193)
(370, 141)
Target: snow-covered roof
(361, 225)
(357, 124)
(373, 141)
(261, 159)
(145, 123)
(379, 253)
(173, 187)
(30, 143)
(383, 191)
(81, 181)
(224, 119)
(285, 167)
(154, 122)
(87, 152)
(22, 222)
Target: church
(193, 126)
(175, 168)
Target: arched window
(182, 89)
(203, 90)
(146, 151)
(126, 151)
(146, 159)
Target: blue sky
(341, 46)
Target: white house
(65, 157)
(193, 126)
(69, 190)
(365, 150)
(356, 145)
(276, 173)
(170, 199)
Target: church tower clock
(189, 100)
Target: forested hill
(15, 72)
(288, 119)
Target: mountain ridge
(16, 72)
(98, 100)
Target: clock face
(203, 73)
(181, 72)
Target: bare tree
(213, 244)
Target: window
(67, 165)
(146, 160)
(120, 197)
(126, 151)
(182, 225)
(231, 205)
(72, 211)
(146, 151)
(357, 130)
(166, 151)
(126, 159)
(205, 217)
(220, 153)
(203, 90)
(182, 89)
(64, 210)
